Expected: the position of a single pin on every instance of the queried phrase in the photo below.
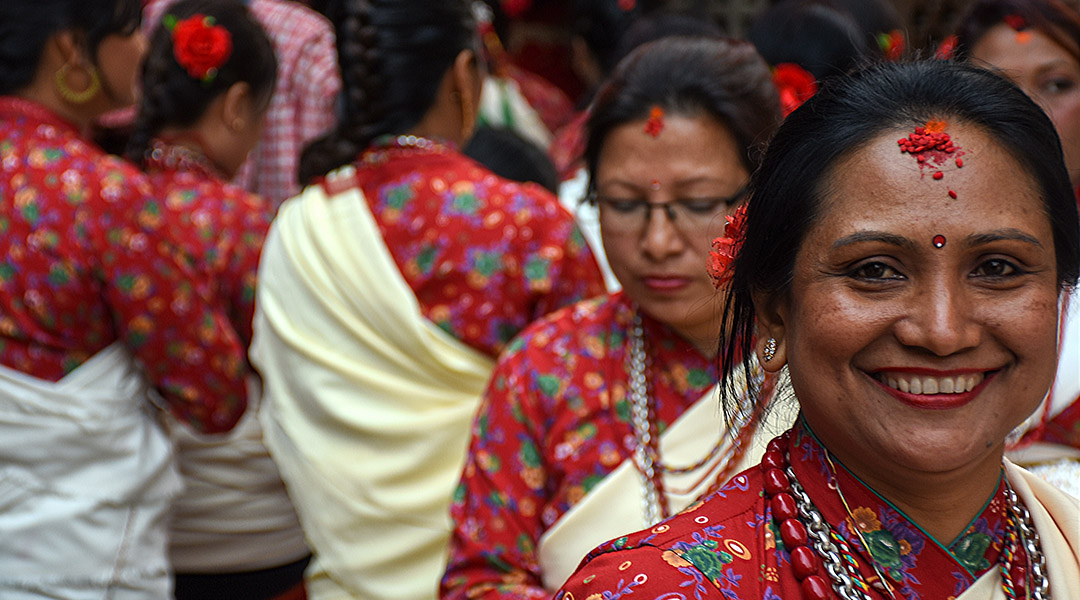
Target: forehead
(686, 145)
(880, 185)
(1019, 53)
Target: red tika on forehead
(655, 124)
(932, 147)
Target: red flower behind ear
(795, 85)
(201, 47)
(725, 248)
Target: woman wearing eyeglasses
(604, 416)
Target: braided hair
(173, 98)
(393, 56)
(25, 27)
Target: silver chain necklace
(843, 578)
(639, 416)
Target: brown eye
(875, 270)
(996, 267)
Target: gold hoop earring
(71, 95)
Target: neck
(941, 503)
(53, 102)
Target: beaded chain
(647, 450)
(791, 507)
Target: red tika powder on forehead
(932, 148)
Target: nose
(661, 238)
(940, 319)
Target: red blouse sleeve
(646, 572)
(188, 346)
(498, 507)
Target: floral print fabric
(729, 547)
(220, 227)
(484, 256)
(85, 262)
(554, 422)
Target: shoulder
(723, 526)
(290, 23)
(567, 327)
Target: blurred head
(509, 155)
(233, 101)
(818, 38)
(842, 264)
(399, 61)
(1036, 43)
(672, 139)
(85, 52)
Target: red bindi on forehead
(933, 148)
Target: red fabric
(86, 262)
(568, 147)
(728, 547)
(554, 422)
(485, 256)
(302, 107)
(550, 103)
(219, 226)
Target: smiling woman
(914, 303)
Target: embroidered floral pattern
(554, 423)
(683, 562)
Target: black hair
(1052, 18)
(662, 24)
(601, 24)
(821, 39)
(509, 155)
(787, 191)
(724, 79)
(393, 56)
(173, 98)
(26, 26)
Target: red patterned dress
(730, 547)
(86, 262)
(555, 421)
(484, 256)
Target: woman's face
(120, 57)
(692, 164)
(875, 307)
(1047, 72)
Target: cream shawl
(367, 404)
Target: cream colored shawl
(1056, 516)
(367, 404)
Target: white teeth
(933, 385)
(929, 385)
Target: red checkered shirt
(303, 105)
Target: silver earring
(770, 349)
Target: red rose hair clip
(727, 247)
(795, 85)
(199, 46)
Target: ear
(237, 107)
(69, 49)
(467, 81)
(772, 316)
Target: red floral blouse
(554, 422)
(220, 226)
(485, 256)
(85, 262)
(729, 547)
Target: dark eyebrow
(874, 236)
(999, 235)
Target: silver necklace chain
(639, 416)
(841, 575)
(1030, 538)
